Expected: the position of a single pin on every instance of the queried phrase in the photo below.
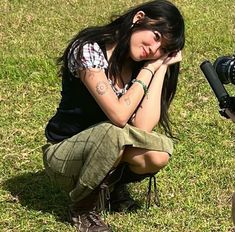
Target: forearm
(133, 97)
(118, 110)
(148, 114)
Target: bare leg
(143, 161)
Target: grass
(195, 188)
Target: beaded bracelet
(145, 88)
(149, 70)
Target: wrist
(150, 67)
(162, 68)
(149, 70)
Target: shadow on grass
(35, 191)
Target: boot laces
(104, 197)
(84, 219)
(152, 181)
(94, 218)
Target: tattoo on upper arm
(101, 87)
(87, 73)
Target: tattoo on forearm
(101, 87)
(127, 101)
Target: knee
(157, 160)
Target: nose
(154, 48)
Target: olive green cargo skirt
(79, 164)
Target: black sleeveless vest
(77, 109)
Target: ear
(138, 16)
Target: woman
(118, 81)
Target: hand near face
(165, 60)
(173, 58)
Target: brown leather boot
(84, 214)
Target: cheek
(133, 49)
(159, 54)
(133, 54)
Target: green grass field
(195, 188)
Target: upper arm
(98, 85)
(91, 70)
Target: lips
(145, 53)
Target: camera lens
(225, 68)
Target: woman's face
(145, 45)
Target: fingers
(166, 59)
(155, 64)
(174, 58)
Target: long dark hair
(161, 16)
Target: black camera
(220, 73)
(225, 68)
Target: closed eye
(157, 35)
